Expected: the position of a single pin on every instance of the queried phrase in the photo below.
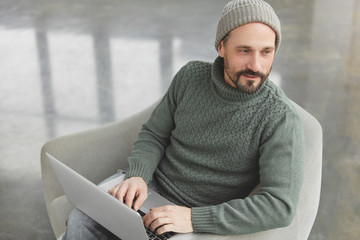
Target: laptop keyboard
(152, 235)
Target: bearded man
(221, 129)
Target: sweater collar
(227, 92)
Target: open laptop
(105, 209)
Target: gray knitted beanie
(240, 12)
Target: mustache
(250, 72)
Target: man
(220, 130)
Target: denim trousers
(81, 226)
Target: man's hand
(169, 218)
(132, 191)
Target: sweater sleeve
(281, 175)
(153, 137)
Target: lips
(251, 76)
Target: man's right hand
(133, 192)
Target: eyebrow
(248, 47)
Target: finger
(152, 216)
(121, 192)
(130, 196)
(160, 222)
(114, 190)
(140, 200)
(165, 228)
(169, 218)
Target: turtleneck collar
(224, 90)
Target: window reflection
(136, 73)
(179, 60)
(73, 75)
(17, 48)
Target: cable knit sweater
(207, 145)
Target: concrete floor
(66, 66)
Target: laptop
(105, 209)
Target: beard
(249, 85)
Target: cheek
(266, 66)
(237, 64)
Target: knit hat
(240, 12)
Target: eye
(244, 51)
(267, 52)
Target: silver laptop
(105, 209)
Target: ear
(221, 49)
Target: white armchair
(96, 154)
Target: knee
(78, 224)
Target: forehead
(253, 35)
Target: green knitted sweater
(207, 145)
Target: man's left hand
(169, 219)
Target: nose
(254, 63)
